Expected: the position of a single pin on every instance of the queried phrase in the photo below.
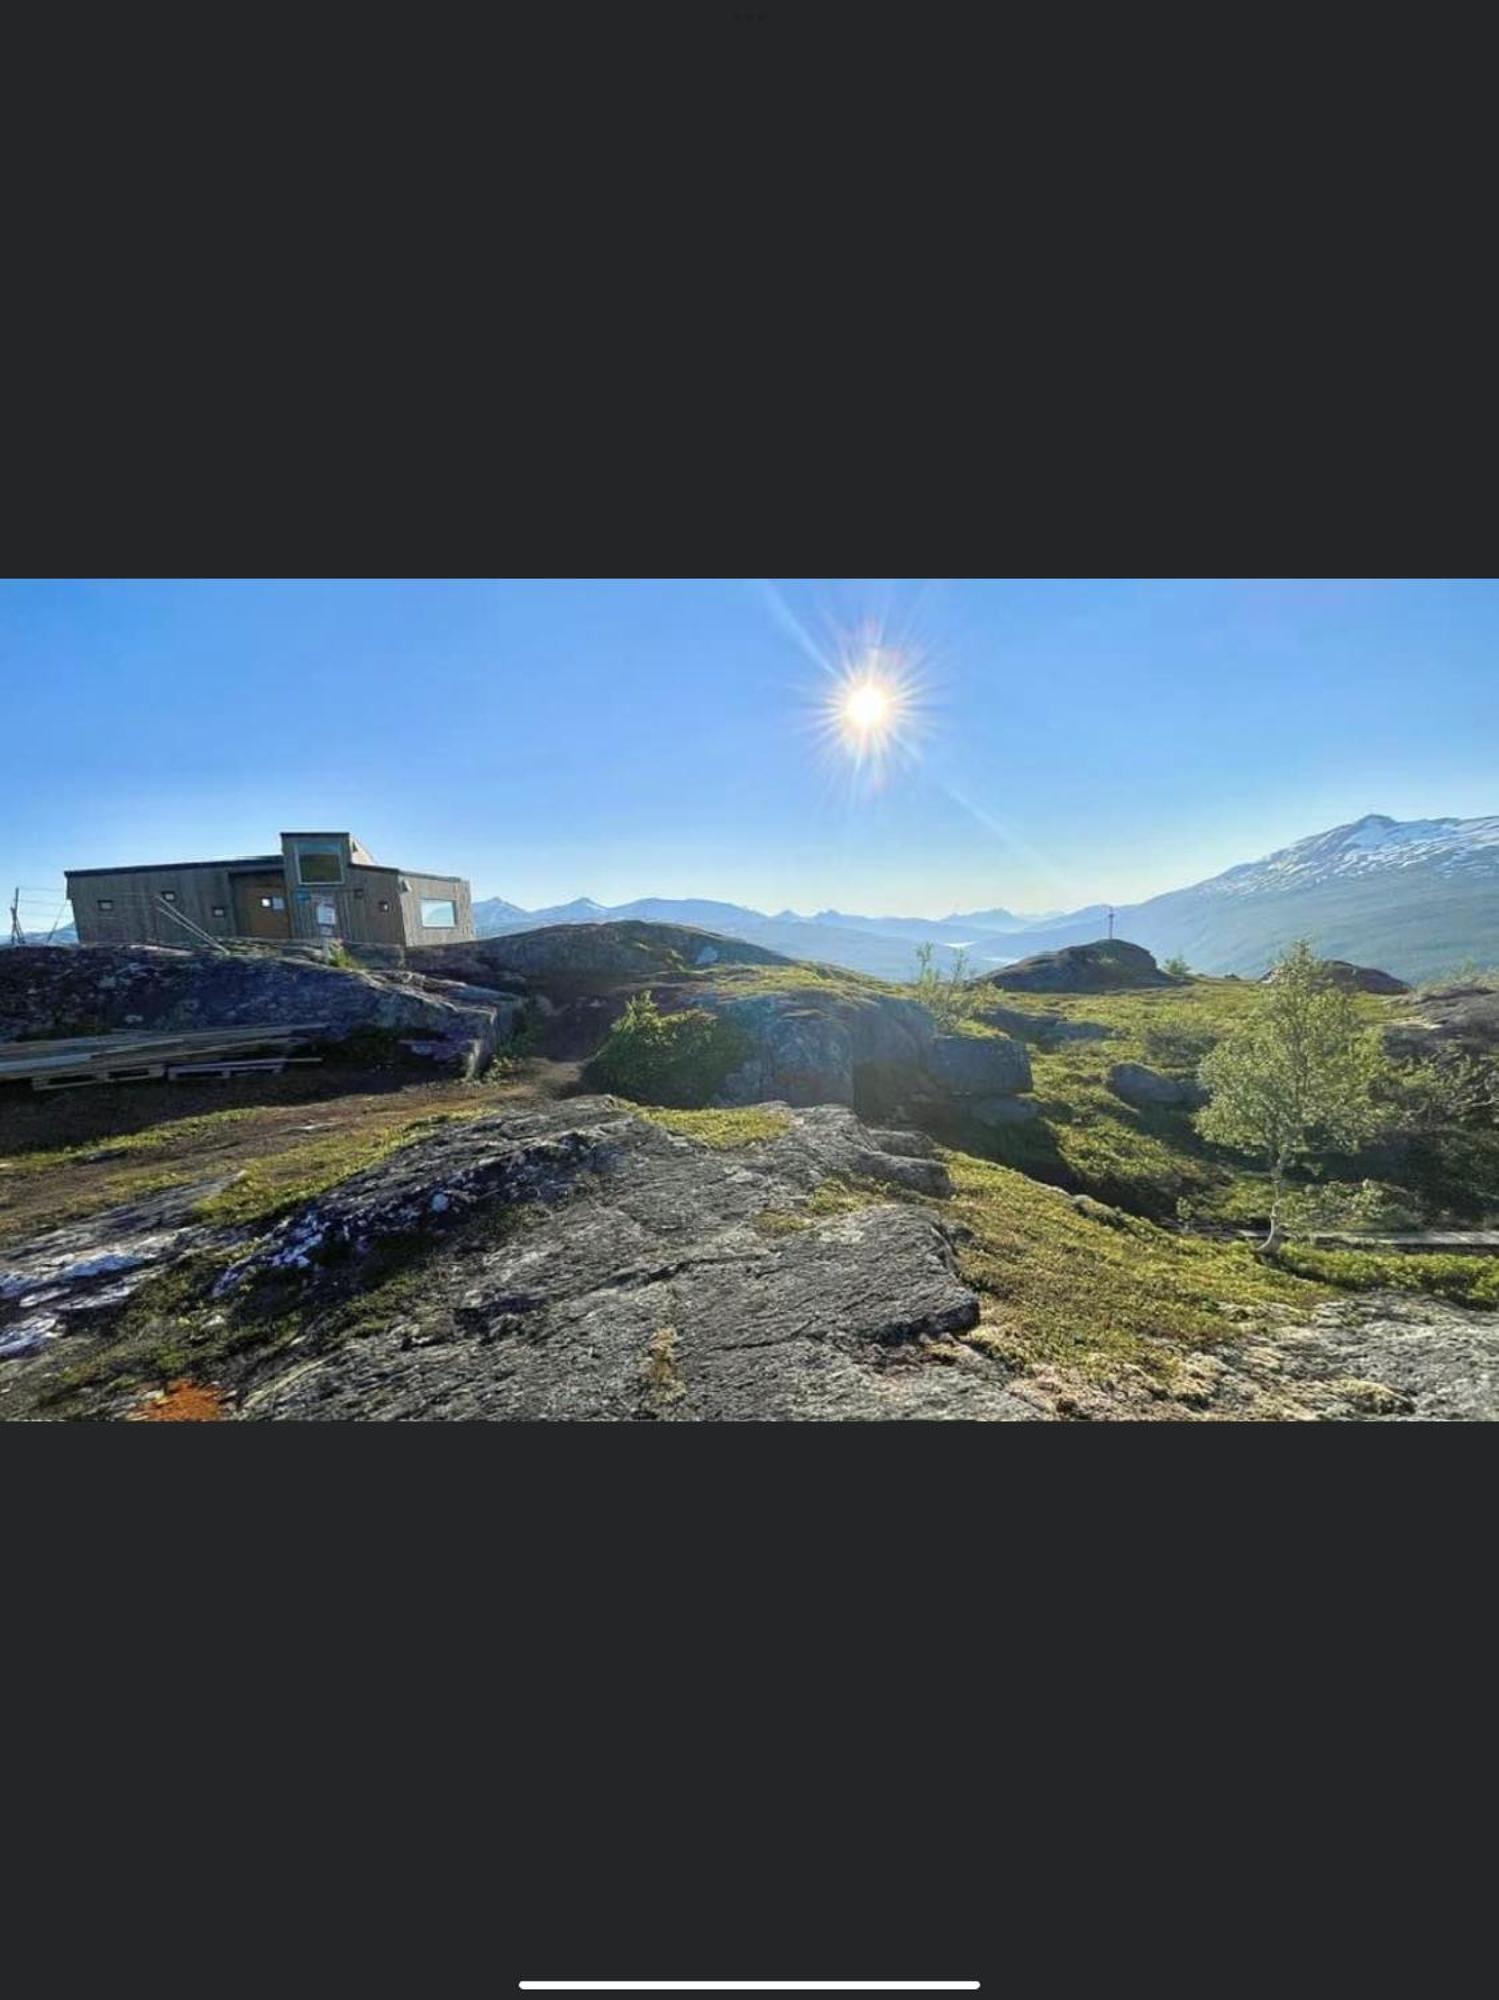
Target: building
(320, 886)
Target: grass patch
(721, 1129)
(660, 1373)
(1154, 1162)
(1062, 1288)
(1466, 1281)
(830, 981)
(172, 1132)
(838, 1195)
(779, 1222)
(281, 1181)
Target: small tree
(948, 1000)
(1176, 967)
(1297, 1078)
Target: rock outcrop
(62, 1280)
(105, 989)
(1464, 1018)
(882, 1055)
(1357, 978)
(1106, 966)
(629, 1272)
(558, 954)
(979, 1066)
(1146, 1088)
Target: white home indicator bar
(749, 1986)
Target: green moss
(1098, 1296)
(718, 1128)
(837, 1195)
(748, 981)
(779, 1222)
(1468, 1281)
(1154, 1162)
(284, 1180)
(661, 1375)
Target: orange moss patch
(184, 1403)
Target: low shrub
(946, 996)
(672, 1059)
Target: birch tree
(1297, 1078)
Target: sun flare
(871, 710)
(867, 708)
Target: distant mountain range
(1415, 897)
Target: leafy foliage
(671, 1059)
(1338, 1205)
(1298, 1078)
(946, 996)
(1450, 1087)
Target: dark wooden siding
(445, 888)
(136, 915)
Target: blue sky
(1072, 741)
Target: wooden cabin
(320, 886)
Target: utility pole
(17, 935)
(1111, 924)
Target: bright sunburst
(868, 709)
(871, 706)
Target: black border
(765, 291)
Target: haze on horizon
(1058, 742)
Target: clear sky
(1060, 742)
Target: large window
(438, 915)
(319, 863)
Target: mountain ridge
(1415, 897)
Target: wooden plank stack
(80, 1060)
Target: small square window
(358, 895)
(169, 895)
(106, 902)
(383, 904)
(438, 914)
(273, 902)
(219, 910)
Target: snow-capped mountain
(1369, 846)
(1415, 897)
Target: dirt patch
(62, 1176)
(182, 1403)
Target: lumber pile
(80, 1060)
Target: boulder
(811, 1048)
(1102, 967)
(801, 1054)
(558, 955)
(1045, 1028)
(982, 1066)
(1358, 978)
(1147, 1088)
(1455, 1017)
(998, 1111)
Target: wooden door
(260, 905)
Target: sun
(868, 708)
(871, 710)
